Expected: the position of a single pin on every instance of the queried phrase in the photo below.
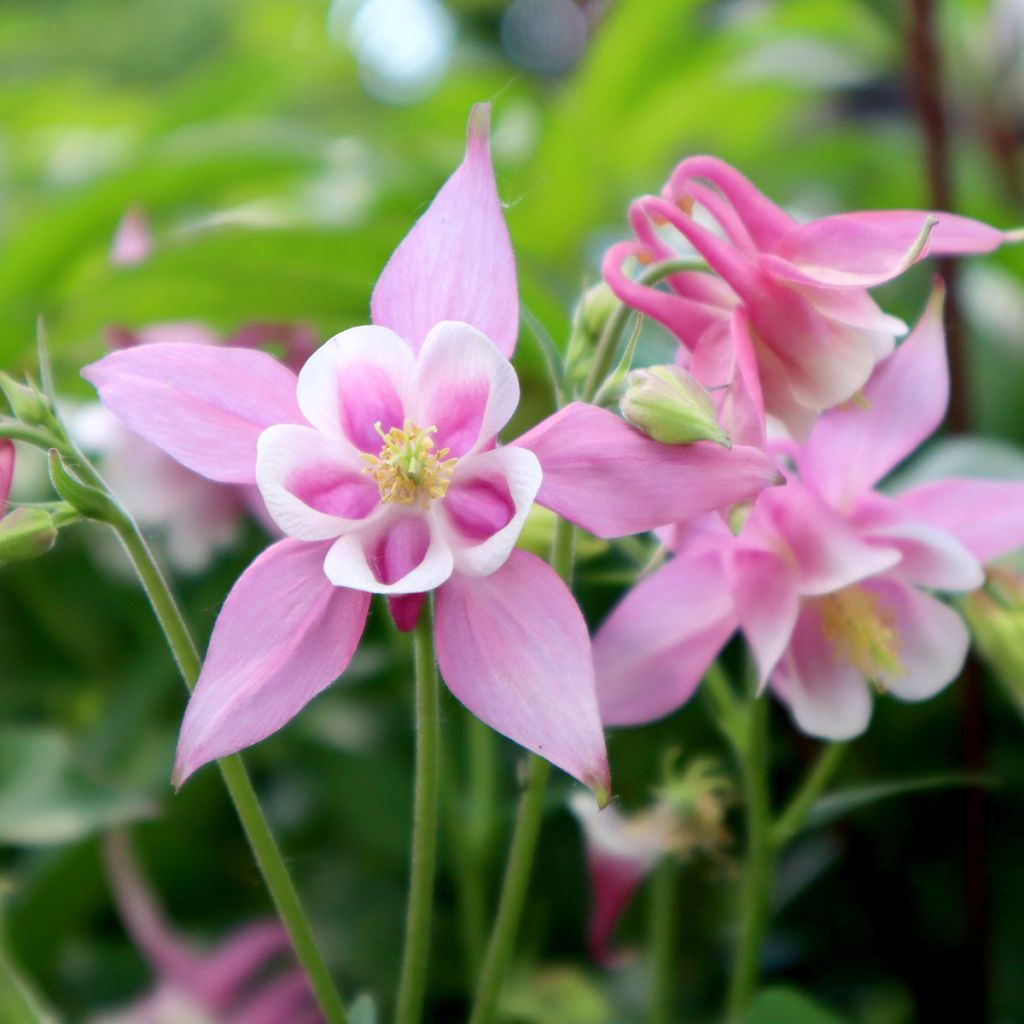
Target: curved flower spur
(380, 464)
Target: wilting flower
(380, 464)
(250, 978)
(800, 289)
(829, 579)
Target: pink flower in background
(800, 289)
(829, 580)
(380, 464)
(250, 978)
(6, 472)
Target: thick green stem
(793, 818)
(424, 825)
(255, 825)
(664, 963)
(760, 857)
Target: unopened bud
(668, 405)
(85, 499)
(28, 405)
(589, 318)
(995, 614)
(26, 533)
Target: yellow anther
(408, 470)
(863, 633)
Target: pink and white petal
(930, 557)
(486, 506)
(513, 647)
(854, 446)
(766, 595)
(764, 222)
(204, 405)
(655, 647)
(826, 551)
(612, 480)
(405, 552)
(467, 388)
(932, 640)
(860, 250)
(6, 472)
(826, 696)
(355, 380)
(456, 263)
(284, 634)
(313, 485)
(986, 516)
(853, 307)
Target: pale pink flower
(6, 472)
(380, 463)
(250, 978)
(829, 580)
(801, 289)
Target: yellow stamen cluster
(408, 470)
(862, 632)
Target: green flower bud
(26, 533)
(589, 317)
(668, 404)
(995, 614)
(85, 499)
(27, 403)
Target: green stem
(760, 858)
(664, 967)
(793, 818)
(513, 892)
(608, 343)
(424, 825)
(255, 825)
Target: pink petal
(284, 634)
(360, 378)
(132, 242)
(863, 249)
(204, 405)
(612, 480)
(405, 610)
(513, 647)
(487, 505)
(854, 446)
(403, 552)
(467, 388)
(653, 650)
(285, 998)
(932, 640)
(827, 696)
(239, 961)
(986, 516)
(456, 263)
(767, 603)
(313, 485)
(6, 472)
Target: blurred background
(277, 150)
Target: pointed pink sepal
(456, 263)
(284, 634)
(513, 647)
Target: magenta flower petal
(357, 379)
(239, 960)
(827, 696)
(932, 644)
(612, 480)
(765, 589)
(205, 406)
(456, 263)
(285, 998)
(513, 647)
(284, 634)
(986, 516)
(6, 472)
(655, 647)
(854, 446)
(467, 388)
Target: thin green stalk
(255, 825)
(664, 963)
(792, 819)
(760, 858)
(424, 825)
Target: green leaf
(45, 797)
(17, 1004)
(841, 802)
(788, 1006)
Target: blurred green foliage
(277, 185)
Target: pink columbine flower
(380, 464)
(801, 288)
(250, 978)
(830, 580)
